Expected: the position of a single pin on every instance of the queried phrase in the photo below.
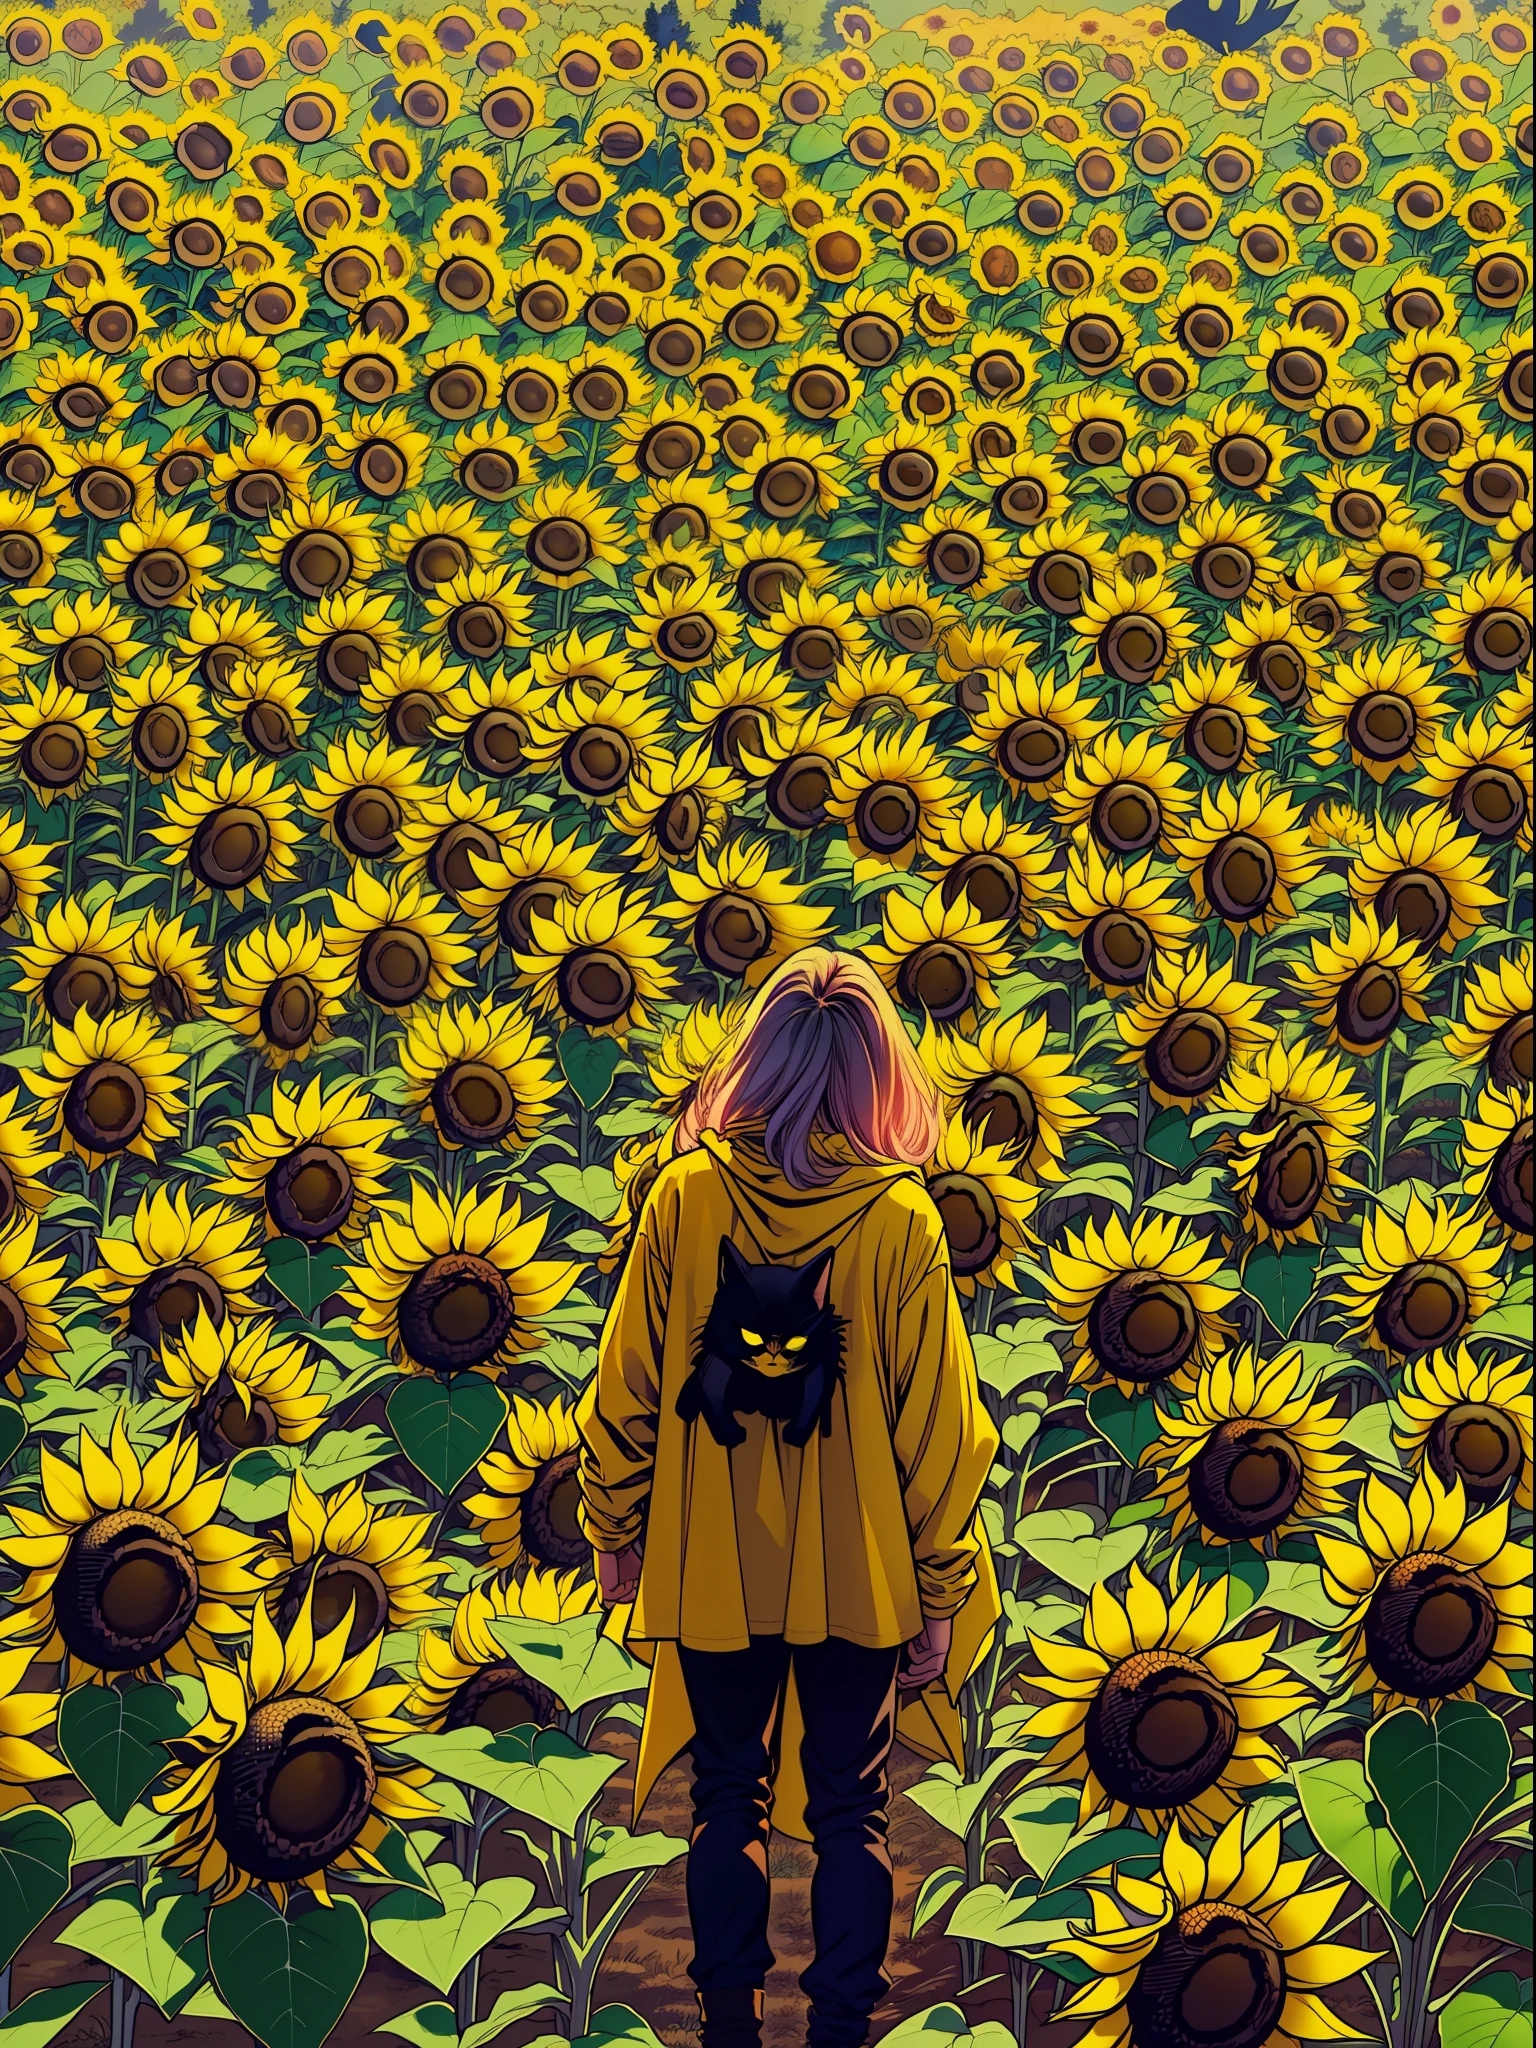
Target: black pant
(848, 1702)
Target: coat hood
(789, 1223)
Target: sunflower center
(127, 1590)
(309, 1195)
(731, 932)
(1216, 1975)
(999, 1110)
(294, 1792)
(972, 1225)
(78, 983)
(886, 817)
(1510, 1054)
(1032, 750)
(1368, 1006)
(1479, 1445)
(456, 1313)
(105, 1107)
(1293, 1174)
(1189, 1054)
(1240, 877)
(938, 978)
(226, 1426)
(451, 862)
(1118, 948)
(1509, 1184)
(1244, 1481)
(1160, 1730)
(551, 1519)
(1430, 1627)
(1491, 801)
(473, 1103)
(341, 1586)
(366, 821)
(290, 1011)
(501, 1696)
(1382, 727)
(394, 966)
(596, 760)
(798, 790)
(1126, 817)
(595, 986)
(1143, 1327)
(1423, 1308)
(169, 1300)
(988, 882)
(230, 847)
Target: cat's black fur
(775, 1303)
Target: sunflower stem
(1383, 1066)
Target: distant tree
(830, 39)
(747, 14)
(1397, 28)
(664, 26)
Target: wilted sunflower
(1361, 987)
(1250, 1456)
(176, 1260)
(126, 1568)
(531, 1503)
(289, 1774)
(1495, 1158)
(468, 1679)
(245, 1384)
(1419, 1280)
(453, 1286)
(1436, 1600)
(1144, 1304)
(315, 1162)
(1155, 1715)
(1222, 1946)
(478, 1074)
(1191, 1025)
(112, 1086)
(1468, 1420)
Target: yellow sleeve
(617, 1413)
(944, 1439)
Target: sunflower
(283, 991)
(1418, 1279)
(449, 1287)
(1383, 705)
(1004, 870)
(672, 809)
(364, 794)
(1215, 715)
(1363, 985)
(684, 624)
(598, 958)
(1486, 622)
(25, 870)
(563, 530)
(1300, 1122)
(52, 738)
(126, 1567)
(598, 736)
(24, 1160)
(1190, 1026)
(879, 686)
(166, 720)
(246, 1384)
(1218, 1946)
(394, 941)
(1012, 1095)
(1143, 1305)
(233, 830)
(1134, 629)
(478, 1074)
(1246, 852)
(75, 960)
(1126, 793)
(289, 1772)
(1495, 1158)
(29, 1286)
(983, 1205)
(1160, 1663)
(940, 956)
(1495, 1021)
(890, 791)
(467, 1679)
(111, 1086)
(153, 1281)
(744, 916)
(162, 560)
(1435, 1600)
(450, 835)
(169, 968)
(314, 1162)
(531, 1503)
(1468, 1420)
(1426, 876)
(1123, 914)
(351, 1561)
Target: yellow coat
(861, 1533)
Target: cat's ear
(818, 1277)
(733, 1267)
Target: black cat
(769, 1346)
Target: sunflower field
(510, 528)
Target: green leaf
(1205, 1191)
(941, 2024)
(433, 2025)
(446, 1430)
(436, 1937)
(100, 1840)
(1170, 1141)
(1435, 1780)
(13, 1430)
(573, 1658)
(38, 2019)
(301, 1276)
(588, 1063)
(615, 1852)
(1127, 1426)
(952, 1799)
(1498, 1901)
(287, 1980)
(34, 1871)
(592, 1189)
(113, 1738)
(158, 1940)
(539, 1772)
(1102, 1849)
(1494, 2013)
(1042, 1819)
(1349, 1822)
(935, 1892)
(1295, 1587)
(1282, 1282)
(1068, 1542)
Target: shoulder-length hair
(821, 1054)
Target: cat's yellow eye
(751, 1337)
(794, 1343)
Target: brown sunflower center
(394, 966)
(1422, 1308)
(1118, 948)
(1491, 801)
(1510, 1054)
(731, 932)
(105, 1106)
(1127, 817)
(1293, 1174)
(1160, 1730)
(1189, 1054)
(1142, 1327)
(939, 978)
(127, 1590)
(1478, 1444)
(972, 1224)
(886, 817)
(1240, 877)
(551, 1519)
(168, 1301)
(290, 1011)
(342, 1586)
(80, 982)
(1244, 1481)
(456, 1313)
(309, 1195)
(501, 1696)
(596, 760)
(1509, 1182)
(1000, 1110)
(294, 1792)
(989, 883)
(595, 986)
(1216, 1975)
(226, 1426)
(474, 1103)
(1430, 1626)
(230, 847)
(367, 822)
(1382, 727)
(1368, 1006)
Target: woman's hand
(926, 1655)
(618, 1575)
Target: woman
(783, 1450)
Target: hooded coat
(863, 1532)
